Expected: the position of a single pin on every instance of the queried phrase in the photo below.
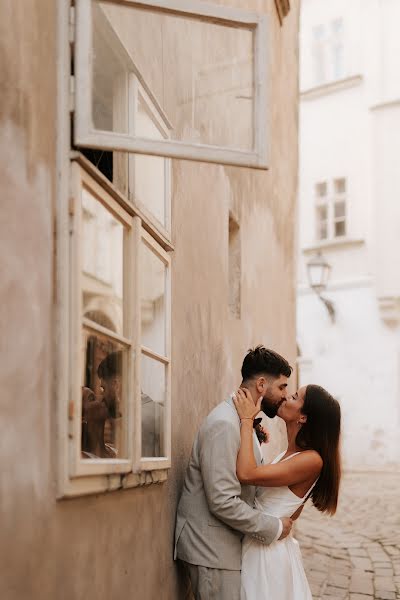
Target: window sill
(331, 87)
(336, 244)
(99, 484)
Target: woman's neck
(292, 430)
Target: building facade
(349, 214)
(148, 173)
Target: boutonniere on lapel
(261, 433)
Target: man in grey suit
(215, 511)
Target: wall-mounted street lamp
(318, 271)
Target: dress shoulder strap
(278, 458)
(290, 455)
(311, 489)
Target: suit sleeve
(218, 451)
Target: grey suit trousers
(213, 584)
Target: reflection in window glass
(153, 406)
(153, 301)
(102, 260)
(103, 405)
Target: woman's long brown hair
(321, 432)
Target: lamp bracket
(329, 306)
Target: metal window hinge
(71, 206)
(71, 24)
(71, 93)
(71, 409)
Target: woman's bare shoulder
(311, 458)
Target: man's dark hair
(110, 366)
(262, 361)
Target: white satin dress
(274, 572)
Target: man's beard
(269, 408)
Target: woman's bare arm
(300, 468)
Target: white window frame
(86, 136)
(329, 202)
(90, 475)
(149, 463)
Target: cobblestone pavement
(355, 555)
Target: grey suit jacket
(215, 510)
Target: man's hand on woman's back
(287, 526)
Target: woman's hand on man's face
(244, 404)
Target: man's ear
(261, 383)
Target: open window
(172, 79)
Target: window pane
(340, 186)
(150, 172)
(321, 189)
(153, 406)
(103, 403)
(337, 60)
(319, 67)
(102, 264)
(322, 231)
(110, 80)
(321, 221)
(340, 228)
(150, 184)
(200, 72)
(322, 212)
(153, 300)
(340, 209)
(337, 49)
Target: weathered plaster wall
(119, 545)
(27, 176)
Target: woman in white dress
(309, 468)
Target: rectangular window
(328, 57)
(330, 209)
(155, 362)
(120, 362)
(337, 49)
(319, 54)
(173, 79)
(339, 207)
(322, 222)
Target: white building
(349, 211)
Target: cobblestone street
(355, 555)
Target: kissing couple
(235, 514)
